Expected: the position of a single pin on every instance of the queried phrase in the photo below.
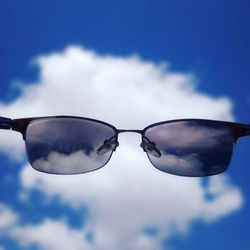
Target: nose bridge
(147, 145)
(129, 131)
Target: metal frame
(21, 124)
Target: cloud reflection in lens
(67, 145)
(77, 162)
(192, 148)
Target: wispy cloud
(50, 235)
(128, 195)
(7, 217)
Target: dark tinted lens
(191, 148)
(67, 145)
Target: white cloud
(7, 217)
(50, 235)
(223, 192)
(128, 194)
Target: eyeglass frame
(21, 125)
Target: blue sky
(209, 39)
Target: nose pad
(107, 146)
(150, 147)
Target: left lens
(190, 147)
(67, 145)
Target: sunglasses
(74, 145)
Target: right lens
(64, 145)
(189, 147)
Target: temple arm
(5, 123)
(248, 130)
(242, 130)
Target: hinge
(5, 123)
(247, 131)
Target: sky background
(209, 40)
